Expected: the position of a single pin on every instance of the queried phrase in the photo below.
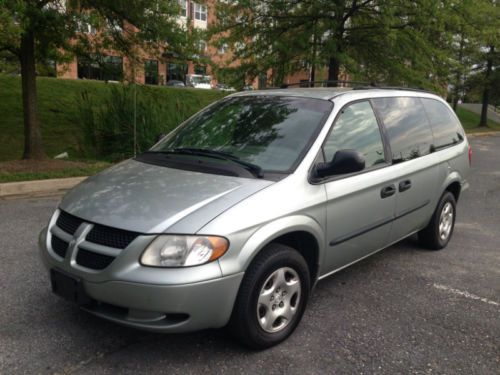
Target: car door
(416, 174)
(360, 206)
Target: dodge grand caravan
(234, 216)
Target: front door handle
(387, 191)
(404, 185)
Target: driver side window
(357, 129)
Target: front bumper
(177, 305)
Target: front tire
(438, 232)
(272, 298)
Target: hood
(147, 198)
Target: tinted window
(356, 128)
(407, 127)
(444, 125)
(269, 131)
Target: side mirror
(344, 161)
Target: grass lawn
(470, 120)
(61, 130)
(24, 170)
(58, 111)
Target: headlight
(183, 251)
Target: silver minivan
(234, 216)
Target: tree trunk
(33, 147)
(312, 75)
(458, 82)
(333, 72)
(486, 92)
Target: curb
(38, 188)
(483, 134)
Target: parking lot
(404, 310)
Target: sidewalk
(38, 188)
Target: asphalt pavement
(403, 310)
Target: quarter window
(356, 129)
(445, 127)
(407, 127)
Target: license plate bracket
(68, 287)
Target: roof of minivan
(328, 93)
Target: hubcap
(446, 221)
(278, 299)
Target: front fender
(240, 260)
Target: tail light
(470, 155)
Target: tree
(37, 30)
(390, 40)
(478, 57)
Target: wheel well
(305, 243)
(454, 188)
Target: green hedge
(60, 111)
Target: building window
(200, 12)
(183, 5)
(223, 48)
(176, 72)
(86, 27)
(202, 46)
(151, 72)
(114, 26)
(108, 68)
(262, 80)
(200, 69)
(239, 47)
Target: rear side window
(407, 126)
(444, 125)
(356, 128)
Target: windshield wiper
(253, 168)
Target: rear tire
(438, 232)
(272, 297)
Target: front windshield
(269, 131)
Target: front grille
(111, 237)
(92, 260)
(59, 246)
(68, 223)
(90, 256)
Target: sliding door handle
(404, 185)
(387, 191)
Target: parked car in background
(236, 214)
(224, 87)
(175, 83)
(199, 81)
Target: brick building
(161, 67)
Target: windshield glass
(269, 131)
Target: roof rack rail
(327, 83)
(356, 85)
(391, 88)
